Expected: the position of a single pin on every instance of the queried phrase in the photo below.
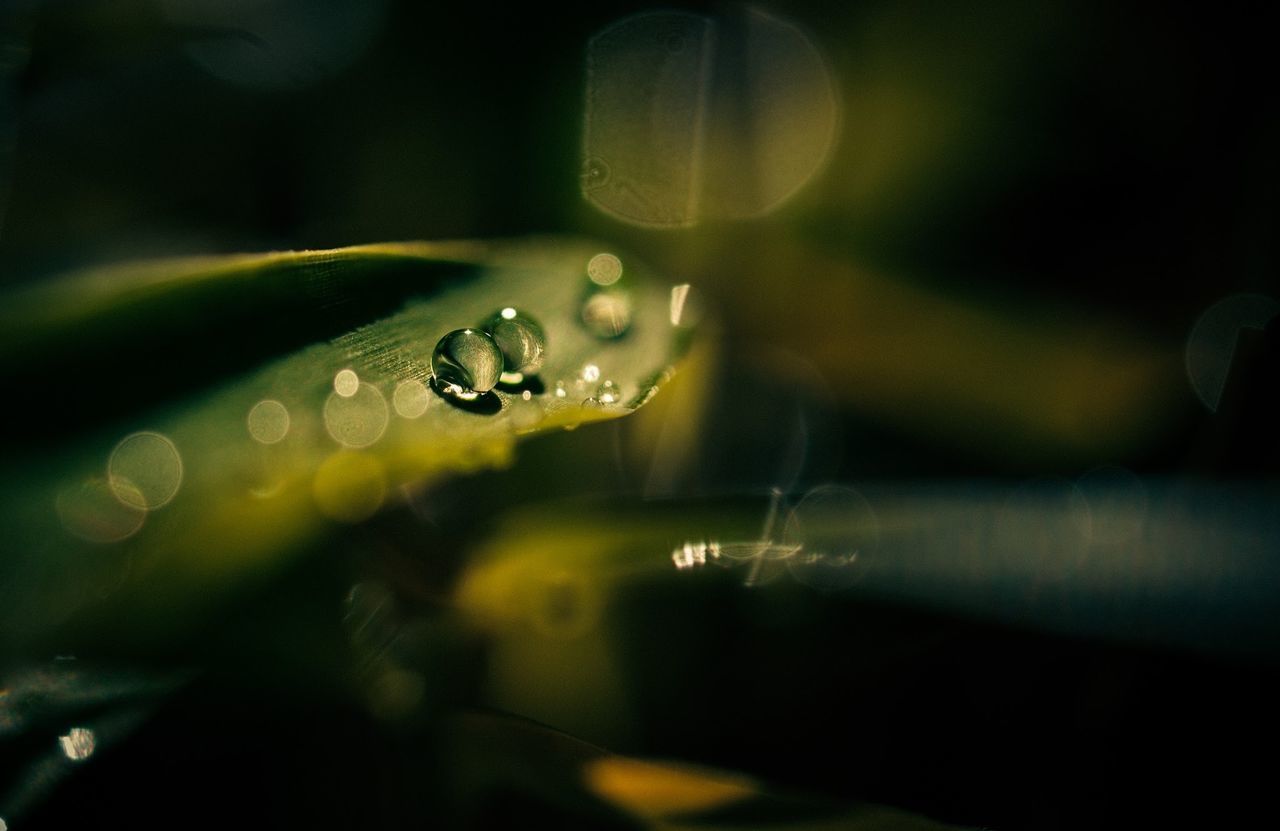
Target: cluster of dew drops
(508, 348)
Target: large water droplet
(466, 363)
(521, 340)
(607, 314)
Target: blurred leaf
(194, 504)
(500, 754)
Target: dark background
(1092, 161)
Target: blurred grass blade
(213, 479)
(490, 755)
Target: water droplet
(834, 531)
(358, 420)
(145, 470)
(466, 363)
(591, 373)
(561, 392)
(521, 340)
(607, 314)
(592, 404)
(268, 421)
(78, 744)
(609, 393)
(346, 382)
(604, 269)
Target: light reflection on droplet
(1211, 345)
(834, 531)
(268, 421)
(608, 393)
(679, 294)
(604, 269)
(410, 399)
(145, 470)
(591, 373)
(693, 554)
(607, 314)
(349, 486)
(346, 383)
(687, 306)
(78, 744)
(91, 510)
(358, 420)
(561, 391)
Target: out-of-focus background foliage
(1006, 275)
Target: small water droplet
(592, 404)
(607, 314)
(609, 393)
(520, 338)
(591, 373)
(561, 392)
(466, 363)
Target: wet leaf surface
(174, 439)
